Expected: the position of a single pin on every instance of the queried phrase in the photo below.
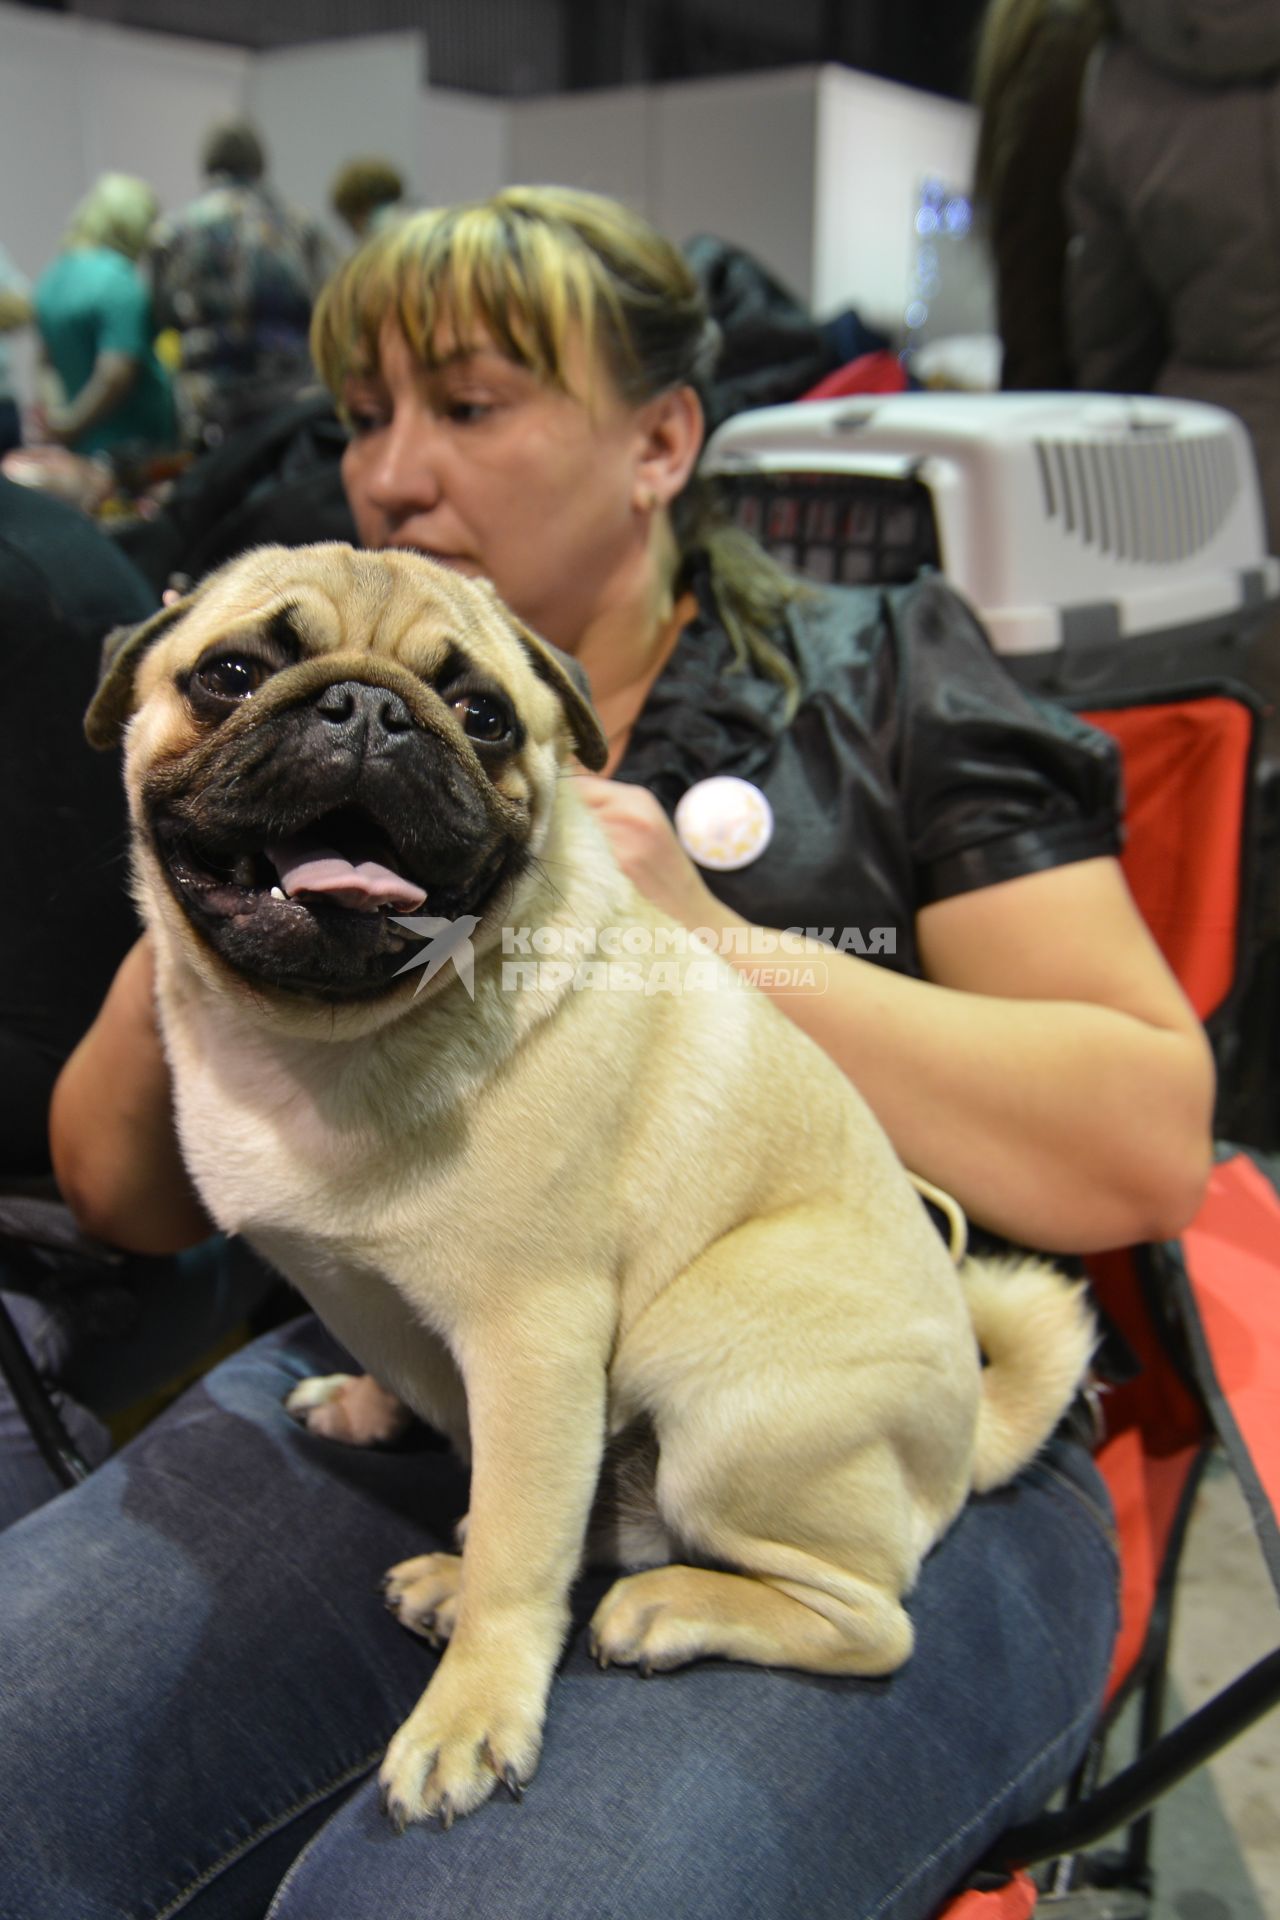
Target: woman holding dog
(521, 380)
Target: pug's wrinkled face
(322, 740)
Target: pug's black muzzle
(352, 772)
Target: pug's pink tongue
(366, 887)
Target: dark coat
(1027, 138)
(1174, 269)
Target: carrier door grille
(846, 529)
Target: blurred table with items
(117, 490)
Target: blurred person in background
(15, 312)
(1028, 71)
(93, 310)
(234, 276)
(104, 1332)
(1174, 268)
(368, 195)
(1174, 288)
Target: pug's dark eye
(484, 718)
(229, 678)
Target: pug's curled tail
(1036, 1334)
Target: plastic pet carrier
(1106, 541)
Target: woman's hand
(54, 430)
(645, 847)
(108, 386)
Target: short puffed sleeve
(994, 782)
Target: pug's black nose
(354, 703)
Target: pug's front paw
(465, 1735)
(423, 1594)
(349, 1407)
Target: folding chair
(39, 1244)
(1200, 1315)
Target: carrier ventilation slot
(1156, 500)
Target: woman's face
(478, 464)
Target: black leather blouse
(915, 768)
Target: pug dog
(645, 1258)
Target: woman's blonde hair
(118, 211)
(537, 270)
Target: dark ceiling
(522, 47)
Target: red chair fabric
(1230, 1271)
(1188, 766)
(1187, 770)
(1016, 1900)
(1155, 1429)
(880, 372)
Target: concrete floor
(1217, 1836)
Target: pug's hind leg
(809, 1455)
(812, 1543)
(350, 1407)
(668, 1616)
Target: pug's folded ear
(122, 650)
(569, 681)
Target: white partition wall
(731, 157)
(42, 164)
(78, 99)
(602, 141)
(876, 143)
(736, 158)
(462, 147)
(318, 106)
(147, 100)
(816, 171)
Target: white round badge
(724, 822)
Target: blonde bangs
(453, 276)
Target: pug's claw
(446, 1812)
(511, 1781)
(423, 1595)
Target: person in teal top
(93, 310)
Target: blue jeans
(197, 1680)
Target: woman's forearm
(111, 1129)
(1063, 1124)
(1046, 1069)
